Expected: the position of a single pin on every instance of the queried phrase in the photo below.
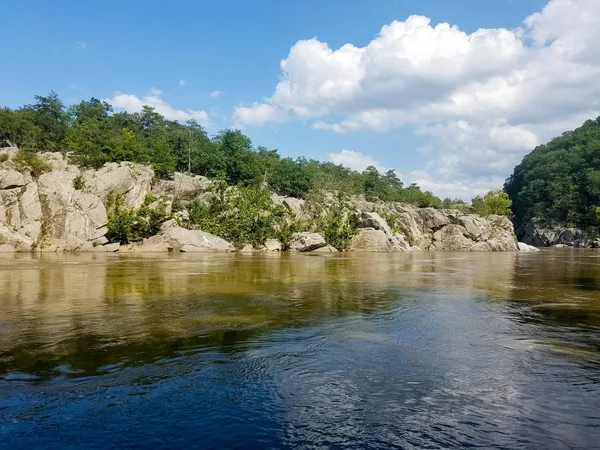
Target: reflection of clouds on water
(414, 350)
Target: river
(410, 350)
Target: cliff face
(64, 210)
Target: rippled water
(423, 350)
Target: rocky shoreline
(64, 209)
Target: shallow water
(421, 350)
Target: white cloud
(132, 104)
(481, 100)
(355, 160)
(182, 82)
(215, 94)
(258, 113)
(82, 45)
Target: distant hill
(559, 182)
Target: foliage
(494, 202)
(3, 158)
(242, 215)
(30, 161)
(333, 218)
(79, 183)
(91, 134)
(125, 225)
(560, 181)
(2, 240)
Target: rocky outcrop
(372, 240)
(131, 181)
(306, 242)
(553, 234)
(72, 217)
(64, 209)
(192, 241)
(182, 186)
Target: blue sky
(219, 56)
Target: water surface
(419, 350)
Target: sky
(450, 94)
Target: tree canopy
(560, 181)
(90, 133)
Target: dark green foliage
(333, 218)
(79, 183)
(559, 181)
(339, 225)
(3, 158)
(242, 215)
(29, 160)
(91, 134)
(125, 226)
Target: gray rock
(10, 179)
(527, 248)
(182, 186)
(131, 181)
(73, 217)
(306, 242)
(273, 245)
(181, 239)
(371, 240)
(375, 221)
(326, 249)
(451, 238)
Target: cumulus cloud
(355, 160)
(481, 100)
(131, 103)
(259, 113)
(215, 94)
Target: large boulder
(306, 242)
(450, 238)
(527, 248)
(477, 228)
(273, 245)
(20, 210)
(372, 240)
(71, 217)
(434, 219)
(184, 240)
(182, 186)
(10, 179)
(375, 221)
(131, 181)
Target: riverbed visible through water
(409, 350)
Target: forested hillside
(91, 134)
(560, 181)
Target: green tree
(494, 202)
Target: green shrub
(494, 202)
(28, 160)
(2, 240)
(242, 215)
(79, 183)
(333, 218)
(3, 157)
(125, 225)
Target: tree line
(90, 133)
(560, 181)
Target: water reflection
(88, 311)
(423, 350)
